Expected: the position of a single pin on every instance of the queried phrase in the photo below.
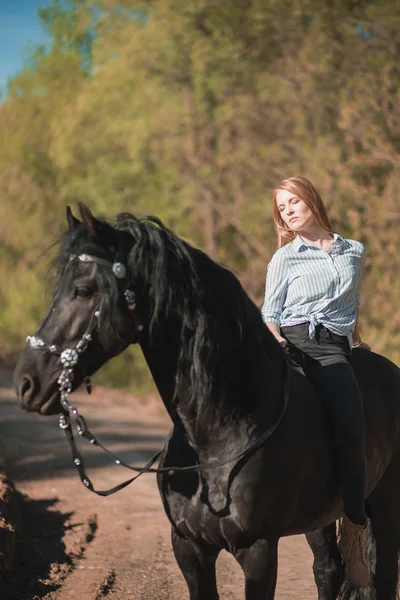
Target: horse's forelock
(73, 243)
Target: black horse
(221, 376)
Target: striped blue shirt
(307, 284)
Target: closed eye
(82, 292)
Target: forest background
(193, 110)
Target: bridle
(69, 358)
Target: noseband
(69, 358)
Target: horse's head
(136, 281)
(92, 316)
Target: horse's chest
(191, 515)
(210, 514)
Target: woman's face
(294, 212)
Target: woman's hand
(361, 344)
(276, 332)
(282, 342)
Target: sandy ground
(78, 545)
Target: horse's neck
(250, 401)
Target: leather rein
(69, 358)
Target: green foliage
(194, 110)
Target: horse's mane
(216, 321)
(214, 311)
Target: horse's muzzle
(32, 398)
(35, 385)
(27, 388)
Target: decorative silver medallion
(69, 357)
(119, 270)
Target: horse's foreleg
(198, 567)
(327, 566)
(260, 565)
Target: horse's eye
(82, 292)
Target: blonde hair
(303, 189)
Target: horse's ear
(72, 221)
(92, 225)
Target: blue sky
(20, 27)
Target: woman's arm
(357, 342)
(275, 295)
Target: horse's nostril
(26, 389)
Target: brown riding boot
(352, 546)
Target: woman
(311, 307)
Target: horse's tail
(347, 591)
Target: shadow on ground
(33, 447)
(42, 560)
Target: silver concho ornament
(69, 357)
(119, 270)
(130, 298)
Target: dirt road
(78, 545)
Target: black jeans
(325, 359)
